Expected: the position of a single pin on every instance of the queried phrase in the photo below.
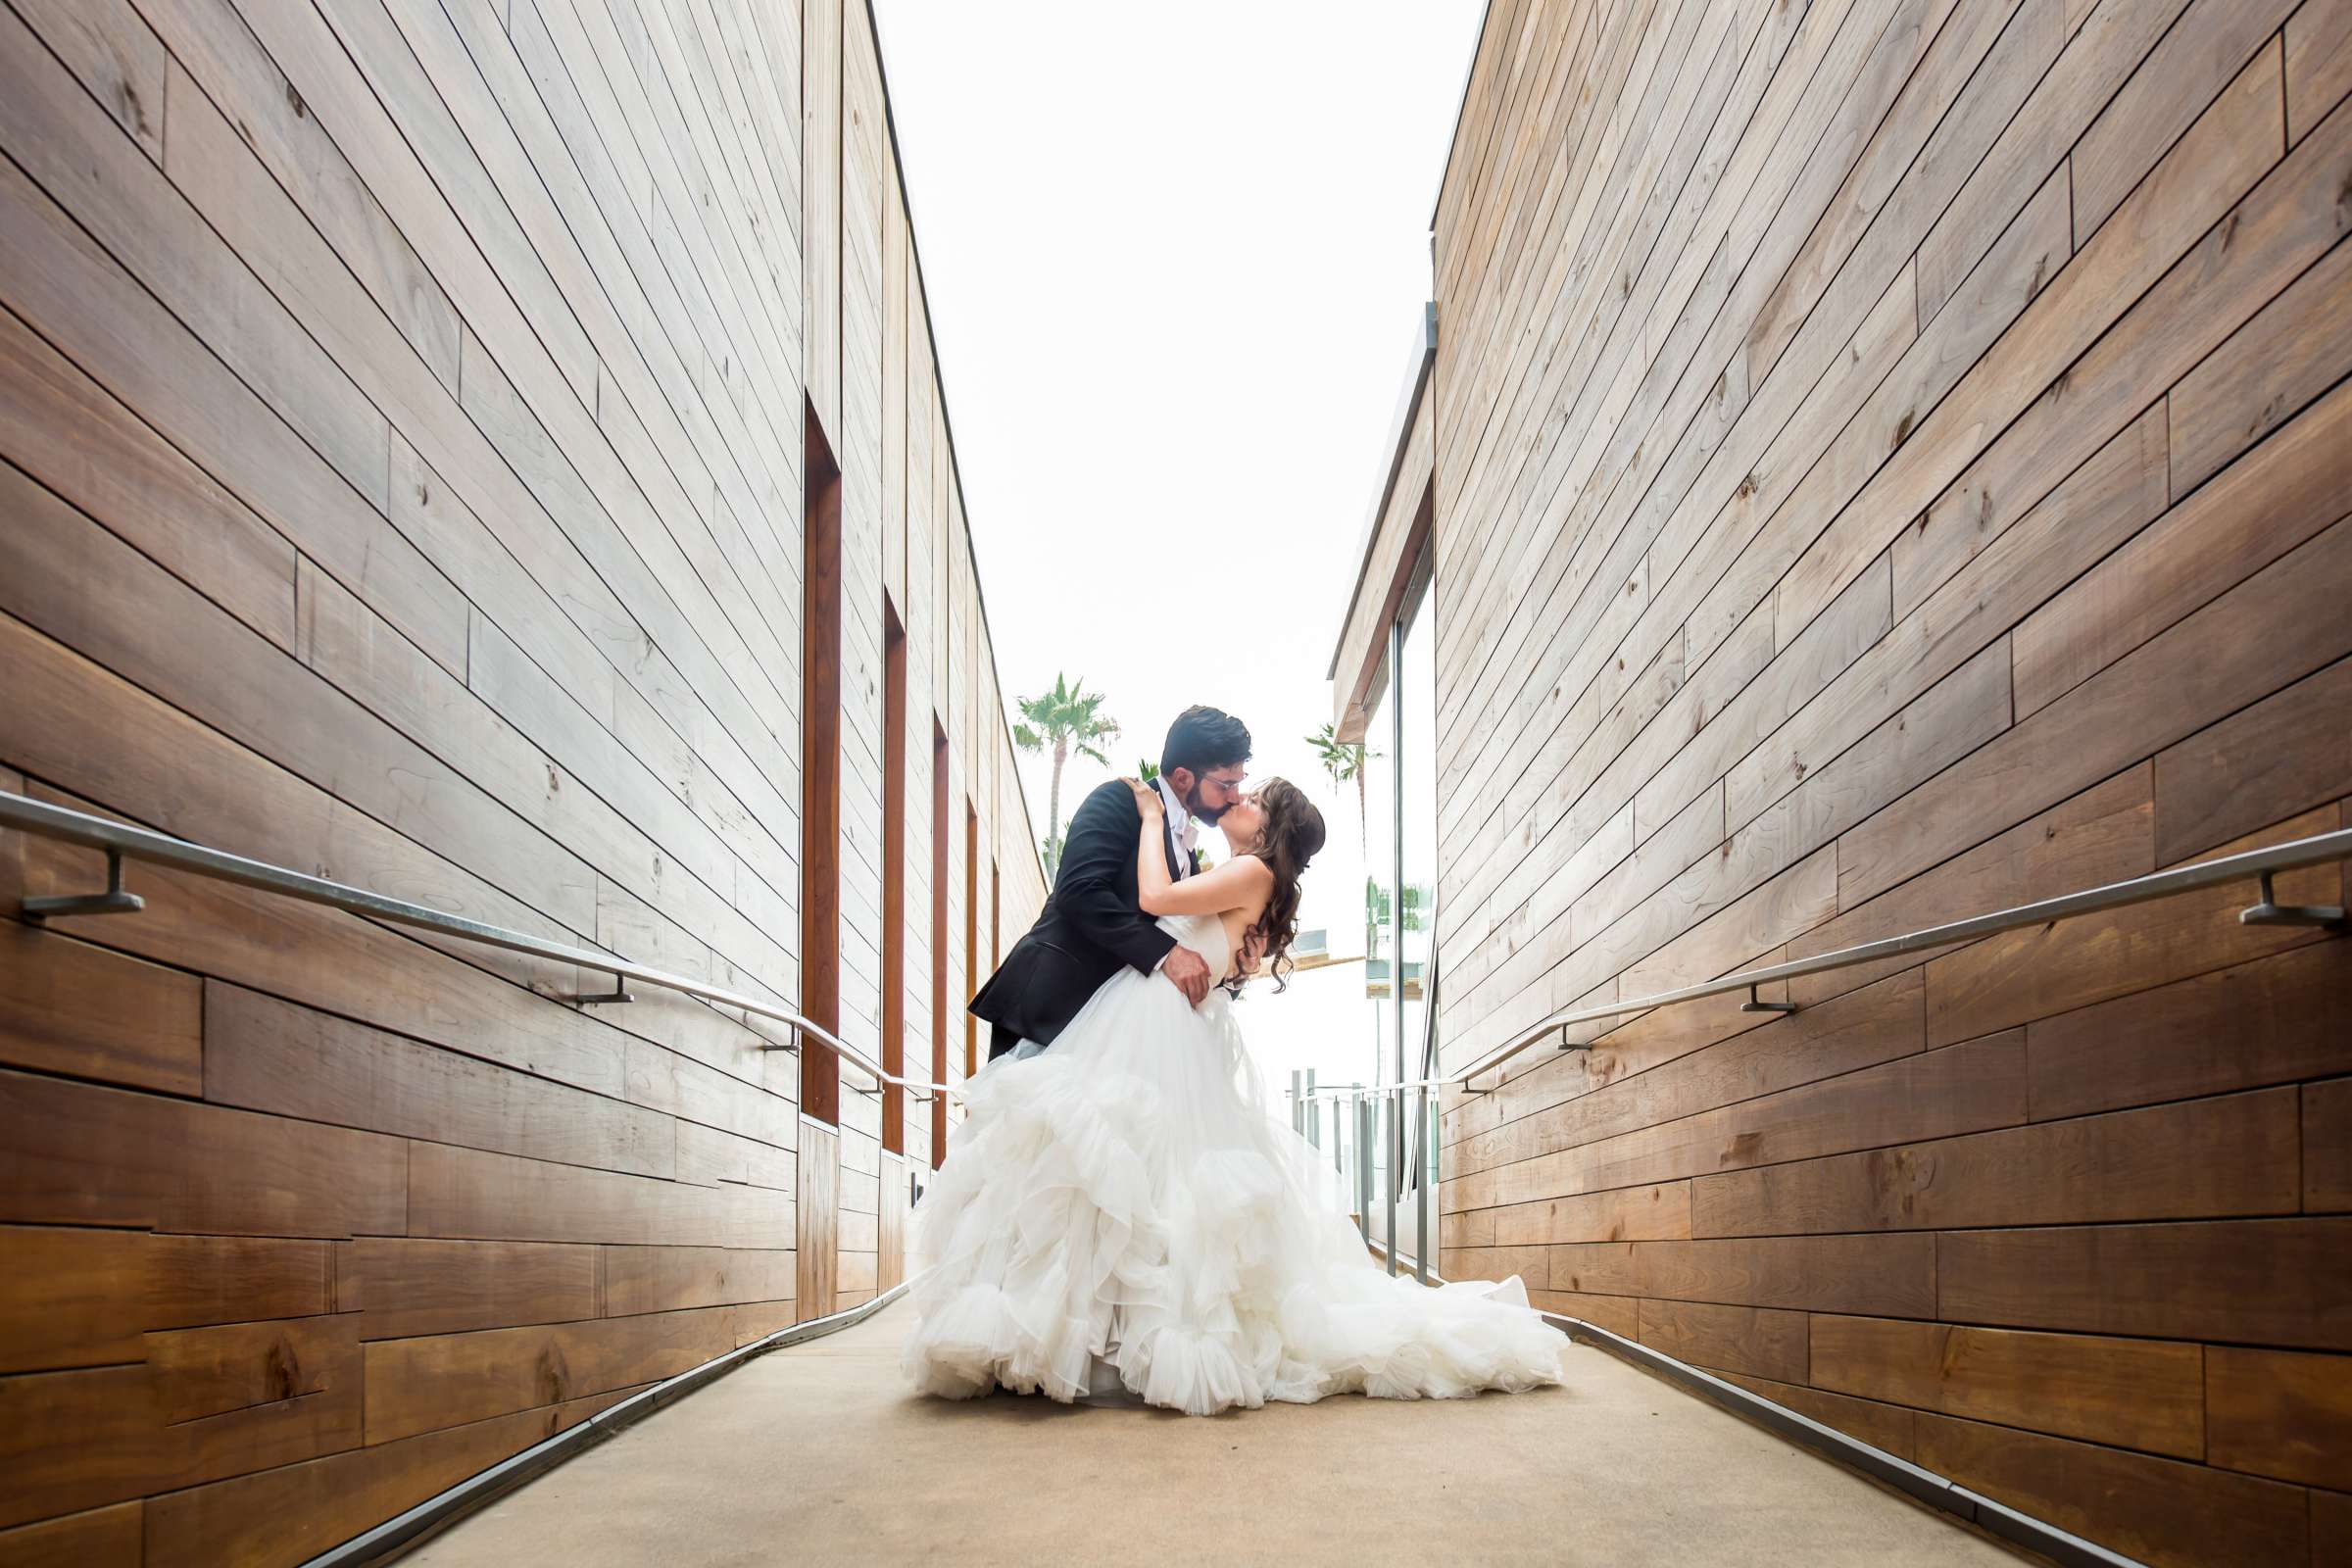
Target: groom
(1092, 923)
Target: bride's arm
(1151, 859)
(1239, 883)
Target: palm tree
(1067, 718)
(1345, 761)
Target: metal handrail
(122, 841)
(1368, 1099)
(2262, 863)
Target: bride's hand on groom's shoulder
(1146, 798)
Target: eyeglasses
(1234, 783)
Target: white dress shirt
(1183, 833)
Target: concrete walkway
(820, 1455)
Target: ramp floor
(820, 1454)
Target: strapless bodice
(1204, 934)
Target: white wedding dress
(1121, 1210)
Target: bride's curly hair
(1292, 836)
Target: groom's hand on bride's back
(1189, 971)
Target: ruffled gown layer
(1122, 1203)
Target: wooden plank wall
(1893, 462)
(401, 449)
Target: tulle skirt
(1123, 1204)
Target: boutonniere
(1200, 861)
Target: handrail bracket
(2269, 912)
(619, 992)
(1756, 1004)
(113, 901)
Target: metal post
(1314, 1112)
(1364, 1165)
(1346, 1171)
(1354, 1126)
(1422, 1182)
(1298, 1105)
(1391, 1130)
(1437, 1130)
(1397, 761)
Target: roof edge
(1400, 433)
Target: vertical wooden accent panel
(820, 778)
(894, 875)
(941, 828)
(891, 1249)
(972, 935)
(819, 1217)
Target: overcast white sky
(1176, 257)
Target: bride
(1123, 1211)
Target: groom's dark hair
(1202, 738)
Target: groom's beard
(1203, 813)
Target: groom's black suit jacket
(1091, 925)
